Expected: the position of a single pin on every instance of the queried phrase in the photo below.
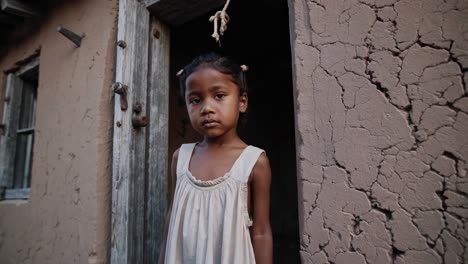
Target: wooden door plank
(158, 137)
(128, 186)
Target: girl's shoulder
(261, 156)
(185, 146)
(261, 170)
(255, 160)
(257, 148)
(182, 149)
(188, 144)
(262, 161)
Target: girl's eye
(194, 101)
(220, 96)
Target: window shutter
(11, 113)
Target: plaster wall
(67, 217)
(382, 125)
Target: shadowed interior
(258, 36)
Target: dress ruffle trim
(210, 182)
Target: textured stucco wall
(382, 139)
(66, 219)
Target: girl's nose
(207, 107)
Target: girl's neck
(224, 141)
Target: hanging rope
(223, 16)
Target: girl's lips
(209, 123)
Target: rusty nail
(118, 88)
(138, 122)
(156, 33)
(121, 89)
(119, 124)
(70, 35)
(137, 108)
(122, 44)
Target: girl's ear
(243, 102)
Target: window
(17, 137)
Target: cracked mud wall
(382, 130)
(67, 217)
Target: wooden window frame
(8, 137)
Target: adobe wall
(382, 125)
(67, 218)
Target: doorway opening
(265, 47)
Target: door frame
(141, 118)
(139, 173)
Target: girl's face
(213, 102)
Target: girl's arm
(171, 183)
(260, 231)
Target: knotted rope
(223, 16)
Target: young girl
(220, 187)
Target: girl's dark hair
(217, 62)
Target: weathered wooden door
(140, 145)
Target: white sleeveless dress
(209, 222)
